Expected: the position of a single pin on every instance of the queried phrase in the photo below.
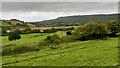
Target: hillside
(80, 19)
(14, 21)
(5, 24)
(84, 53)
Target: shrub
(14, 36)
(69, 32)
(35, 31)
(91, 31)
(72, 28)
(114, 27)
(19, 49)
(43, 43)
(68, 38)
(4, 32)
(50, 30)
(52, 39)
(18, 31)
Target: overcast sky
(38, 11)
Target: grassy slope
(81, 19)
(13, 22)
(26, 39)
(84, 53)
(4, 24)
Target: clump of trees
(95, 30)
(114, 27)
(14, 36)
(50, 30)
(91, 31)
(4, 32)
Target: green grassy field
(27, 39)
(82, 53)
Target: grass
(27, 39)
(4, 24)
(82, 53)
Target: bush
(69, 32)
(68, 38)
(50, 30)
(43, 43)
(19, 49)
(35, 31)
(52, 39)
(114, 27)
(18, 31)
(14, 36)
(4, 32)
(91, 31)
(72, 28)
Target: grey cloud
(59, 6)
(60, 0)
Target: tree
(14, 36)
(114, 27)
(91, 31)
(4, 32)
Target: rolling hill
(9, 23)
(14, 21)
(5, 24)
(81, 19)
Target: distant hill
(9, 23)
(14, 21)
(5, 24)
(81, 19)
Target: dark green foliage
(4, 32)
(69, 20)
(23, 24)
(50, 30)
(14, 36)
(69, 32)
(35, 31)
(72, 28)
(43, 43)
(114, 27)
(18, 24)
(68, 39)
(55, 30)
(91, 31)
(19, 49)
(52, 39)
(18, 31)
(61, 29)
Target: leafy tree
(69, 32)
(14, 36)
(114, 27)
(35, 31)
(91, 31)
(53, 39)
(50, 30)
(4, 32)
